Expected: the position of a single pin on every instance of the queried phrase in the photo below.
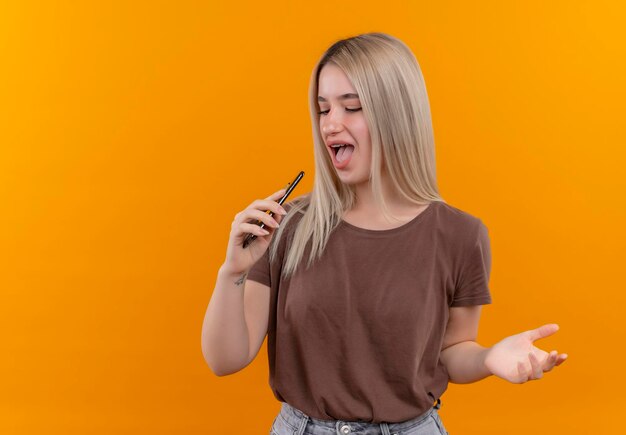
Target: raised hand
(240, 260)
(517, 360)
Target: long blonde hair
(390, 85)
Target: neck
(365, 203)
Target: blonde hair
(390, 85)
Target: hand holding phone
(242, 253)
(290, 188)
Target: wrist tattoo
(242, 279)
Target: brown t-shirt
(357, 336)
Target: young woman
(370, 290)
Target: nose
(331, 123)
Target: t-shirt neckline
(390, 231)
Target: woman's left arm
(514, 358)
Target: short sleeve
(260, 271)
(473, 283)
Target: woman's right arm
(226, 345)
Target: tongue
(344, 153)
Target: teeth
(339, 145)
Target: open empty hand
(517, 360)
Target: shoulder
(455, 215)
(456, 223)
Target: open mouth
(343, 152)
(340, 147)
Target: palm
(516, 359)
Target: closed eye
(324, 112)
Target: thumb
(543, 331)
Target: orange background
(131, 134)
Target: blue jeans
(292, 421)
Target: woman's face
(342, 122)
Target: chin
(352, 179)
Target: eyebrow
(341, 97)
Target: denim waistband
(299, 420)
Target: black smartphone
(250, 237)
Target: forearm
(225, 338)
(465, 362)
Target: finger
(277, 195)
(522, 372)
(278, 217)
(560, 359)
(252, 229)
(261, 205)
(257, 215)
(550, 361)
(267, 205)
(543, 331)
(535, 365)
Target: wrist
(484, 355)
(226, 272)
